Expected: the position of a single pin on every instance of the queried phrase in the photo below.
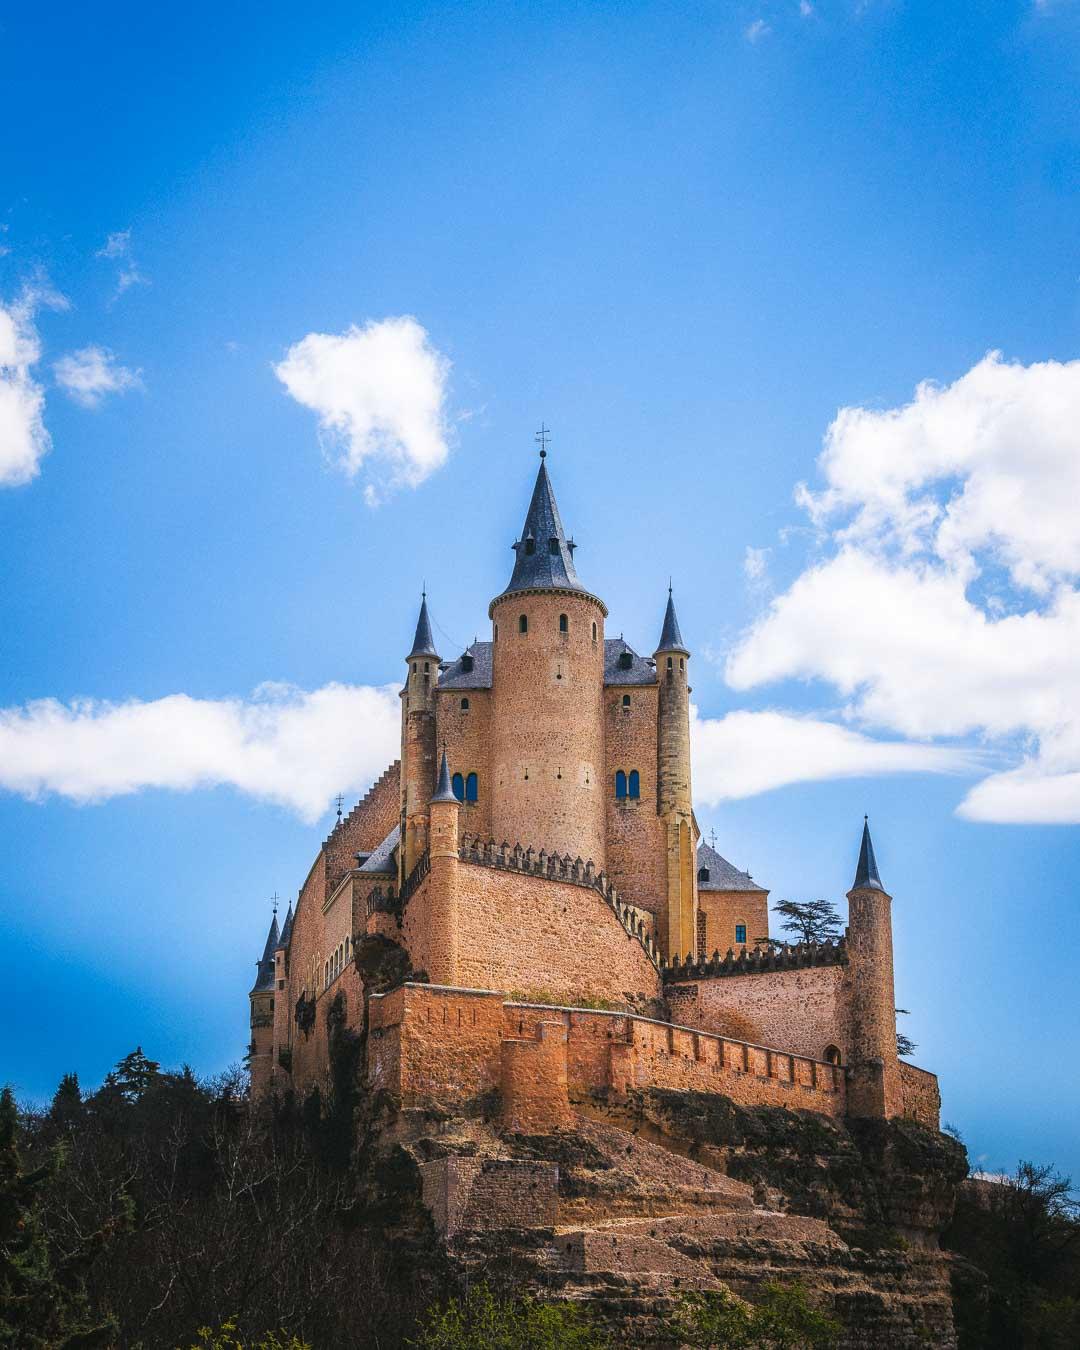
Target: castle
(532, 871)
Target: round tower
(418, 741)
(874, 1086)
(674, 803)
(547, 695)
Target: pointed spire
(286, 928)
(671, 639)
(264, 978)
(423, 643)
(443, 790)
(866, 874)
(545, 557)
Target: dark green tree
(809, 920)
(483, 1321)
(785, 1318)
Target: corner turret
(442, 885)
(261, 1049)
(674, 803)
(874, 1084)
(417, 740)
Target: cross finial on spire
(541, 438)
(340, 803)
(712, 837)
(274, 901)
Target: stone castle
(532, 875)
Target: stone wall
(530, 933)
(922, 1097)
(722, 911)
(478, 1194)
(636, 840)
(465, 733)
(802, 1011)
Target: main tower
(547, 685)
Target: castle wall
(801, 1011)
(722, 910)
(429, 1045)
(636, 839)
(466, 736)
(548, 725)
(922, 1097)
(530, 934)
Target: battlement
(758, 960)
(560, 867)
(388, 778)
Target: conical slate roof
(866, 874)
(286, 928)
(264, 976)
(545, 557)
(423, 644)
(671, 634)
(443, 791)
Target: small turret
(441, 957)
(874, 1084)
(418, 740)
(286, 928)
(264, 978)
(261, 999)
(674, 802)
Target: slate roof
(670, 635)
(264, 976)
(544, 557)
(286, 928)
(640, 671)
(381, 860)
(423, 643)
(455, 676)
(443, 791)
(723, 876)
(866, 874)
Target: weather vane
(274, 900)
(541, 438)
(340, 803)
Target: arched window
(633, 784)
(564, 624)
(464, 705)
(670, 665)
(496, 632)
(414, 667)
(620, 785)
(740, 934)
(523, 623)
(472, 788)
(682, 664)
(458, 785)
(594, 632)
(626, 700)
(832, 1054)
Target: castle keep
(532, 871)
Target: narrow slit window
(633, 784)
(464, 705)
(594, 632)
(620, 785)
(472, 788)
(523, 623)
(564, 624)
(457, 783)
(626, 700)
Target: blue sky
(283, 300)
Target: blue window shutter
(635, 784)
(472, 788)
(458, 785)
(620, 785)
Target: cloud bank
(946, 604)
(283, 745)
(24, 441)
(379, 392)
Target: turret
(874, 1087)
(261, 999)
(442, 885)
(547, 694)
(673, 797)
(417, 740)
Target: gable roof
(455, 676)
(381, 860)
(639, 671)
(724, 876)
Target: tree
(40, 1305)
(905, 1046)
(784, 1319)
(810, 920)
(483, 1321)
(133, 1075)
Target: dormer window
(703, 874)
(467, 662)
(553, 546)
(626, 661)
(530, 547)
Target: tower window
(427, 667)
(832, 1054)
(530, 546)
(594, 632)
(620, 785)
(682, 663)
(703, 874)
(414, 667)
(457, 783)
(496, 632)
(740, 934)
(523, 623)
(564, 624)
(670, 665)
(553, 546)
(626, 700)
(472, 788)
(633, 784)
(464, 705)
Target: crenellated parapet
(560, 867)
(759, 960)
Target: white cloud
(947, 605)
(282, 745)
(756, 31)
(379, 392)
(24, 441)
(756, 565)
(91, 373)
(116, 245)
(806, 9)
(745, 753)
